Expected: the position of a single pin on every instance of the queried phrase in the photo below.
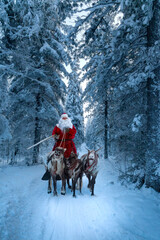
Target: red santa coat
(65, 140)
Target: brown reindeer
(56, 167)
(90, 162)
(73, 170)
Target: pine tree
(94, 47)
(74, 106)
(118, 76)
(130, 94)
(35, 41)
(153, 95)
(6, 68)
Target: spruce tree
(36, 91)
(74, 105)
(152, 178)
(121, 75)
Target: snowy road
(27, 212)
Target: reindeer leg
(55, 185)
(50, 185)
(89, 180)
(63, 189)
(69, 186)
(80, 183)
(92, 185)
(74, 185)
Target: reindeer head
(92, 154)
(59, 153)
(91, 160)
(56, 164)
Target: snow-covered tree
(118, 71)
(35, 43)
(74, 105)
(152, 172)
(127, 99)
(120, 43)
(94, 46)
(129, 127)
(95, 129)
(5, 75)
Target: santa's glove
(56, 137)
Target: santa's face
(65, 123)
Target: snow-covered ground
(27, 212)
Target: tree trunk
(37, 131)
(153, 151)
(106, 131)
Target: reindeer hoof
(69, 186)
(55, 194)
(74, 196)
(49, 191)
(63, 192)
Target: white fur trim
(64, 115)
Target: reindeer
(73, 170)
(90, 161)
(56, 167)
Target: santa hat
(64, 115)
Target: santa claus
(64, 133)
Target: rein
(95, 161)
(62, 140)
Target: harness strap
(73, 165)
(62, 140)
(93, 164)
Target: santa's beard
(65, 124)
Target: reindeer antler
(98, 149)
(88, 150)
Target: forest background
(119, 42)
